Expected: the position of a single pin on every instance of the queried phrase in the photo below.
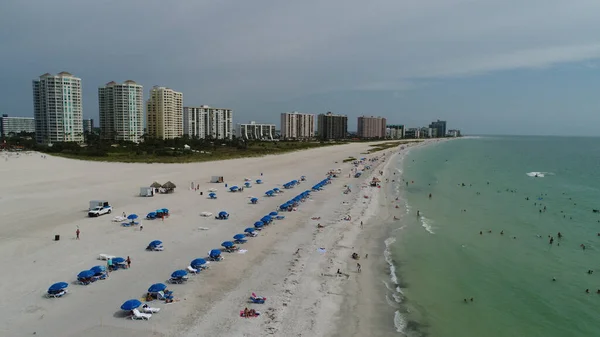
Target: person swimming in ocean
(418, 213)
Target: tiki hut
(169, 187)
(156, 185)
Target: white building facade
(11, 126)
(57, 108)
(164, 113)
(256, 131)
(121, 110)
(295, 125)
(206, 122)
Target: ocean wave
(539, 174)
(426, 223)
(388, 258)
(399, 322)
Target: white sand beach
(41, 198)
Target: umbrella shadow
(122, 314)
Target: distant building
(256, 131)
(371, 127)
(412, 133)
(440, 126)
(10, 126)
(453, 133)
(88, 126)
(121, 110)
(164, 113)
(295, 125)
(206, 122)
(426, 132)
(395, 131)
(57, 108)
(332, 126)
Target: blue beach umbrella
(151, 215)
(165, 210)
(276, 189)
(233, 188)
(85, 274)
(223, 213)
(157, 287)
(239, 237)
(118, 260)
(273, 213)
(155, 243)
(98, 269)
(227, 244)
(269, 192)
(258, 181)
(212, 194)
(258, 224)
(197, 263)
(58, 286)
(131, 304)
(266, 218)
(214, 253)
(250, 230)
(159, 211)
(179, 273)
(247, 184)
(132, 216)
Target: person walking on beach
(358, 267)
(141, 227)
(77, 234)
(128, 262)
(361, 225)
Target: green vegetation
(349, 159)
(180, 150)
(387, 145)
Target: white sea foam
(427, 224)
(399, 322)
(388, 258)
(539, 174)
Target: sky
(485, 66)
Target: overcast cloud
(263, 57)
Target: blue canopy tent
(249, 230)
(254, 200)
(258, 181)
(151, 216)
(273, 213)
(212, 195)
(197, 263)
(234, 188)
(131, 304)
(157, 287)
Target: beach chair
(150, 310)
(179, 280)
(192, 270)
(164, 295)
(136, 314)
(58, 294)
(105, 257)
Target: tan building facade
(121, 111)
(164, 113)
(295, 125)
(371, 127)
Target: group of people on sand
(249, 313)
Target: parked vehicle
(99, 207)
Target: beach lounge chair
(192, 270)
(57, 294)
(178, 280)
(164, 295)
(105, 257)
(149, 310)
(136, 314)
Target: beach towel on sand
(255, 315)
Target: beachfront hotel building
(256, 131)
(371, 127)
(332, 126)
(121, 110)
(394, 131)
(164, 113)
(205, 122)
(57, 108)
(88, 126)
(11, 126)
(297, 126)
(440, 127)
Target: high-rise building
(164, 113)
(207, 122)
(371, 127)
(88, 126)
(10, 126)
(256, 131)
(57, 108)
(395, 131)
(121, 109)
(440, 126)
(295, 125)
(332, 126)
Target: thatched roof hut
(169, 185)
(156, 185)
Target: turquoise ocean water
(440, 258)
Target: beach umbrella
(214, 253)
(159, 211)
(239, 237)
(132, 216)
(247, 184)
(131, 304)
(233, 188)
(165, 210)
(227, 244)
(212, 194)
(98, 269)
(269, 192)
(58, 286)
(258, 224)
(155, 243)
(250, 230)
(258, 181)
(266, 218)
(118, 260)
(273, 213)
(254, 200)
(85, 274)
(179, 273)
(151, 215)
(197, 262)
(157, 287)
